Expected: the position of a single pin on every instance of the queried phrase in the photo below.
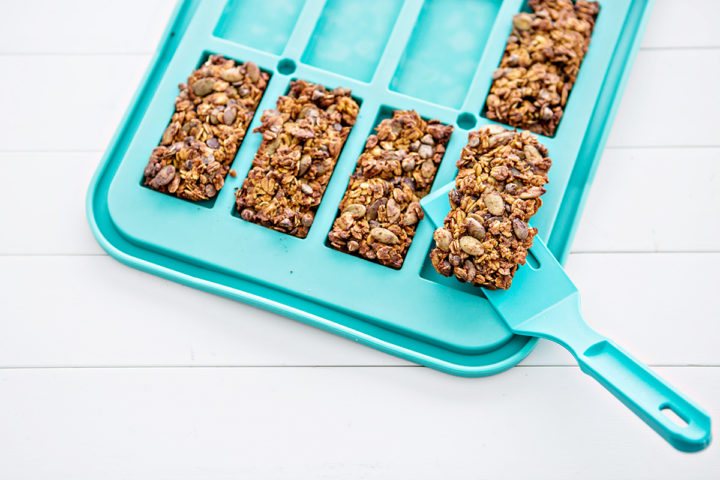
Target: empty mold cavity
(444, 50)
(350, 36)
(264, 25)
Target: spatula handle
(633, 383)
(648, 395)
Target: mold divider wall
(264, 25)
(304, 27)
(446, 44)
(326, 212)
(496, 41)
(397, 42)
(354, 47)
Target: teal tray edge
(596, 136)
(476, 365)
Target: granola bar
(541, 62)
(486, 234)
(302, 139)
(212, 114)
(381, 209)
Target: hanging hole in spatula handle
(676, 417)
(648, 395)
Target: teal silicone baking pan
(433, 56)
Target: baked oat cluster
(541, 62)
(381, 209)
(302, 139)
(212, 115)
(486, 234)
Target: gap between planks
(207, 367)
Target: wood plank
(653, 200)
(135, 26)
(610, 222)
(81, 107)
(350, 423)
(660, 107)
(78, 311)
(83, 26)
(110, 314)
(686, 24)
(661, 307)
(66, 103)
(52, 218)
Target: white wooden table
(107, 372)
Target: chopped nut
(443, 237)
(532, 192)
(304, 164)
(408, 163)
(229, 115)
(357, 210)
(471, 245)
(522, 21)
(164, 176)
(383, 235)
(500, 172)
(475, 228)
(425, 151)
(520, 228)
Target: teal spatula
(543, 302)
